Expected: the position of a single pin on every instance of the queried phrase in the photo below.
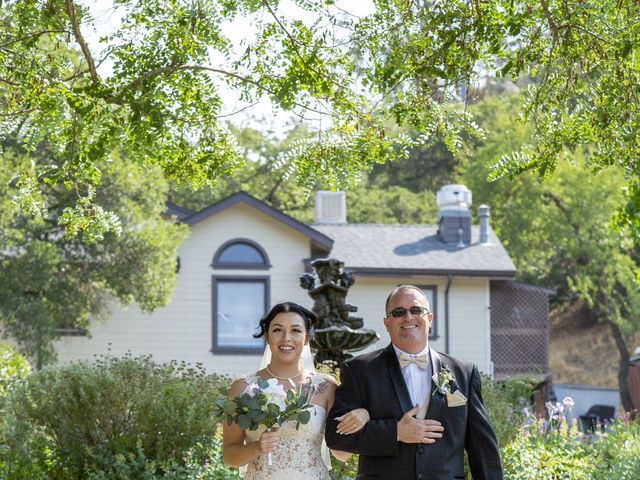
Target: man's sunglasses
(401, 312)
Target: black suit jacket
(374, 381)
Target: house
(243, 256)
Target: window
(431, 294)
(241, 253)
(239, 301)
(238, 304)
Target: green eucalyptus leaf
(244, 421)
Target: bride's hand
(268, 440)
(353, 421)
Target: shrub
(124, 418)
(619, 452)
(556, 449)
(507, 403)
(13, 366)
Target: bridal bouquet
(265, 403)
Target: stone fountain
(337, 333)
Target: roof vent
(454, 218)
(453, 197)
(331, 207)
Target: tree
(374, 200)
(410, 63)
(558, 230)
(50, 279)
(161, 105)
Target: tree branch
(197, 68)
(552, 24)
(558, 203)
(9, 82)
(295, 43)
(71, 10)
(35, 34)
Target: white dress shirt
(417, 380)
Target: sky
(262, 115)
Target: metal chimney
(483, 216)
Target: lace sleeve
(249, 379)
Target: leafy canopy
(408, 63)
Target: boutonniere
(443, 380)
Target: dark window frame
(215, 279)
(433, 333)
(264, 265)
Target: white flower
(568, 402)
(275, 393)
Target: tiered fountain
(337, 333)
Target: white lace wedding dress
(298, 454)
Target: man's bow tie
(419, 360)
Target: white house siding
(183, 329)
(469, 315)
(470, 322)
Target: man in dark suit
(425, 407)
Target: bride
(296, 452)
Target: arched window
(241, 253)
(239, 300)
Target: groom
(425, 407)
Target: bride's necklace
(284, 378)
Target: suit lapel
(397, 380)
(437, 400)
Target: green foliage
(394, 204)
(582, 58)
(266, 403)
(125, 418)
(507, 402)
(619, 458)
(558, 230)
(191, 467)
(13, 366)
(374, 200)
(558, 450)
(51, 279)
(344, 470)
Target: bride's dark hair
(310, 318)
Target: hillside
(582, 350)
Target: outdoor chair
(597, 415)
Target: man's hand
(413, 430)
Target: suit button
(420, 449)
(420, 476)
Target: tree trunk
(623, 370)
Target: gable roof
(393, 250)
(177, 211)
(318, 238)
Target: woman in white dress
(296, 452)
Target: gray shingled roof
(415, 250)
